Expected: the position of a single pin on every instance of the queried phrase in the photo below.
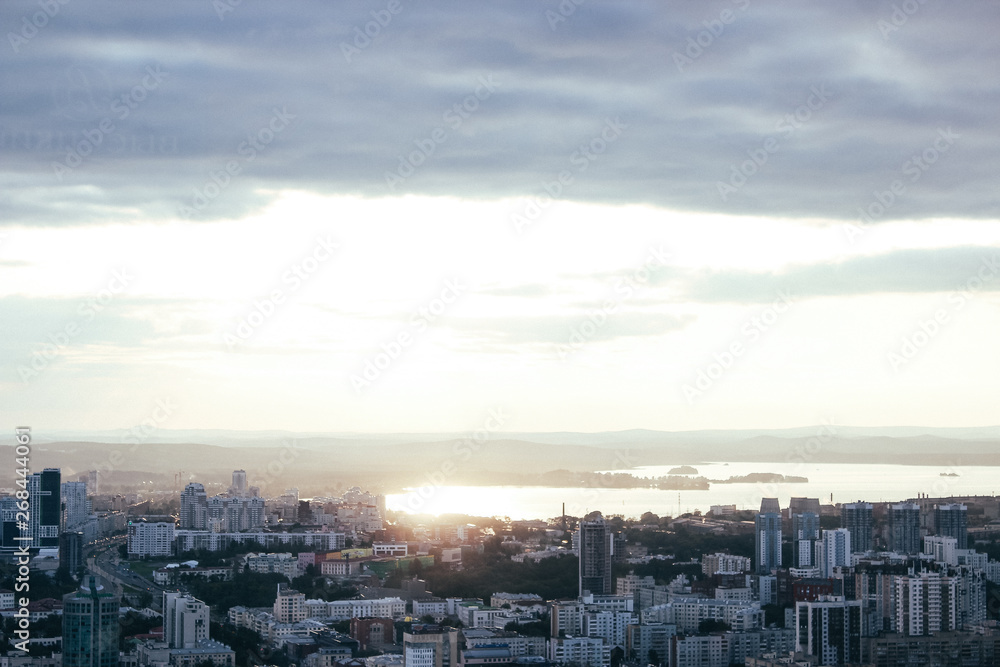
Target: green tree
(713, 625)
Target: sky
(414, 216)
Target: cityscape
(180, 578)
(535, 333)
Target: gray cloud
(887, 97)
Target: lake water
(846, 482)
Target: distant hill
(284, 459)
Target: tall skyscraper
(857, 518)
(194, 507)
(767, 531)
(90, 627)
(595, 543)
(950, 521)
(185, 620)
(45, 498)
(805, 532)
(239, 487)
(833, 550)
(904, 528)
(74, 504)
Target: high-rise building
(235, 514)
(194, 507)
(595, 543)
(45, 503)
(71, 550)
(74, 504)
(239, 487)
(833, 550)
(857, 518)
(803, 506)
(950, 521)
(829, 630)
(90, 627)
(767, 531)
(926, 603)
(904, 528)
(770, 506)
(185, 620)
(805, 532)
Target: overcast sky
(399, 216)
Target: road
(105, 562)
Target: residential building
(833, 550)
(194, 507)
(185, 620)
(74, 504)
(150, 538)
(926, 603)
(594, 542)
(278, 563)
(430, 646)
(857, 518)
(829, 630)
(767, 532)
(724, 564)
(580, 651)
(951, 521)
(805, 532)
(698, 651)
(289, 605)
(373, 632)
(904, 528)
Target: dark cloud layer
(196, 86)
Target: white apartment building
(150, 539)
(582, 651)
